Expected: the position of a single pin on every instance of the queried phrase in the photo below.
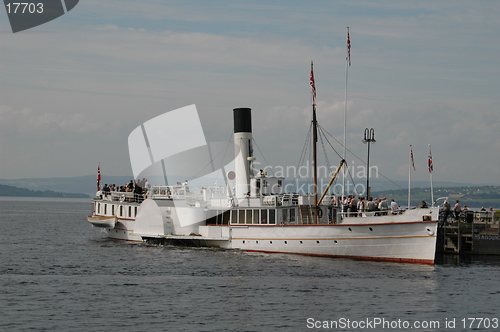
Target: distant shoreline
(42, 199)
(11, 191)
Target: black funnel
(242, 120)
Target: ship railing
(289, 199)
(127, 197)
(168, 192)
(215, 191)
(160, 192)
(364, 214)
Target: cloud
(422, 73)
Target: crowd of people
(139, 187)
(355, 206)
(458, 211)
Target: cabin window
(217, 218)
(272, 216)
(255, 219)
(241, 216)
(249, 216)
(99, 208)
(225, 217)
(135, 211)
(129, 211)
(284, 215)
(121, 210)
(234, 217)
(105, 209)
(112, 210)
(264, 183)
(292, 215)
(263, 216)
(279, 183)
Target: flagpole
(432, 192)
(314, 144)
(99, 176)
(409, 177)
(431, 168)
(347, 64)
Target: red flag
(99, 176)
(313, 86)
(431, 166)
(348, 58)
(412, 159)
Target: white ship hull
(124, 230)
(118, 218)
(409, 237)
(403, 238)
(404, 242)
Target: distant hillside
(472, 196)
(78, 184)
(22, 192)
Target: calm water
(57, 273)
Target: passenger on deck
(361, 205)
(423, 205)
(335, 204)
(345, 204)
(446, 210)
(394, 207)
(382, 206)
(105, 189)
(371, 205)
(457, 209)
(335, 201)
(353, 206)
(138, 194)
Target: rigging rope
(363, 161)
(260, 151)
(201, 171)
(304, 148)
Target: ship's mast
(314, 143)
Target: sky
(422, 73)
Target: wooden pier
(475, 233)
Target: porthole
(335, 241)
(271, 242)
(243, 241)
(286, 242)
(371, 229)
(317, 242)
(301, 242)
(350, 229)
(256, 241)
